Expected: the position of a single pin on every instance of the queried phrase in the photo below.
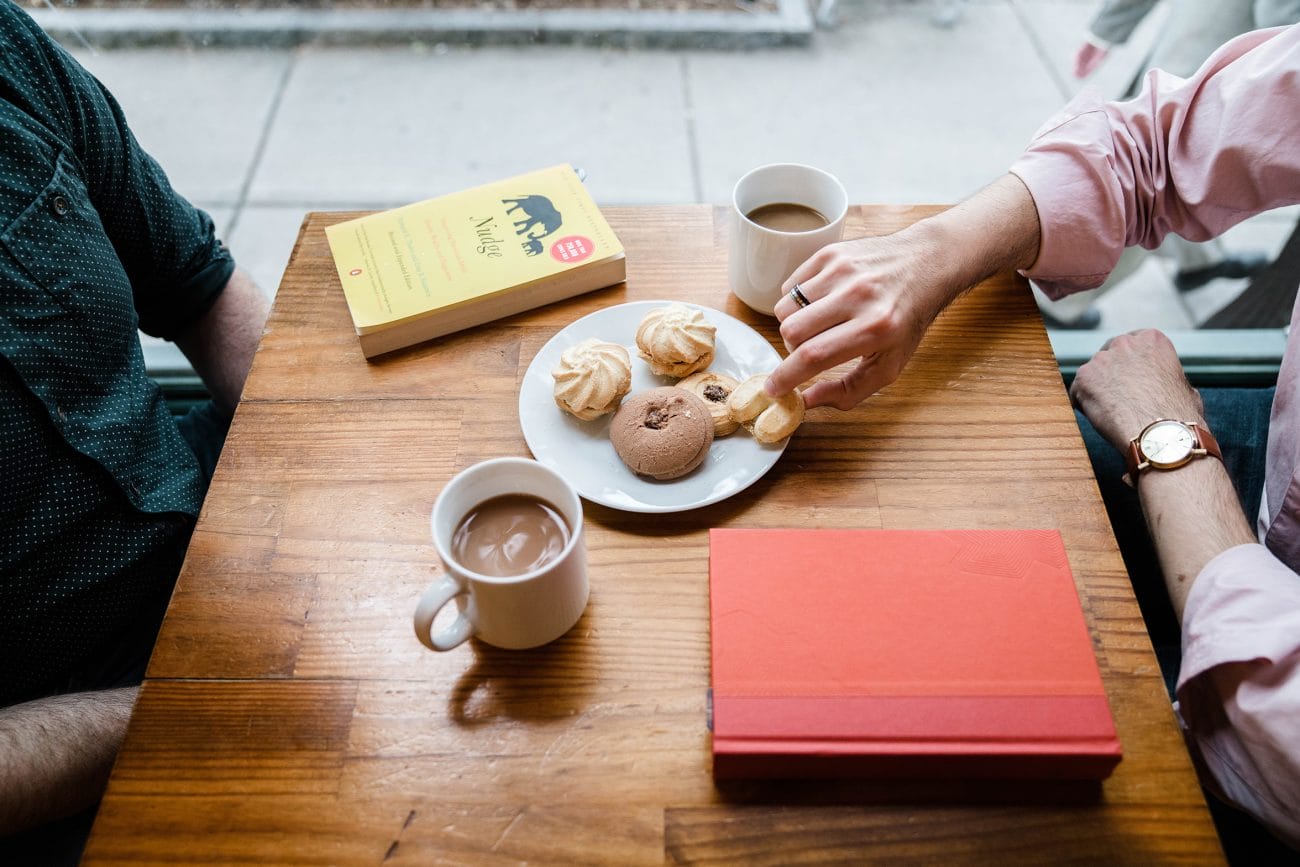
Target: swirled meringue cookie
(714, 389)
(592, 378)
(676, 340)
(769, 419)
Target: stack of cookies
(665, 433)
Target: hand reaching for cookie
(872, 299)
(860, 309)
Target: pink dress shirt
(1195, 156)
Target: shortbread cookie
(769, 419)
(714, 389)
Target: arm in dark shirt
(167, 247)
(221, 344)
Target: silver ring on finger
(796, 295)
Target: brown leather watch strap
(1132, 457)
(1204, 441)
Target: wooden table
(290, 715)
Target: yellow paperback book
(438, 266)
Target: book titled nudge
(435, 267)
(902, 653)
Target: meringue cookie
(592, 378)
(676, 340)
(769, 419)
(714, 389)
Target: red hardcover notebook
(903, 653)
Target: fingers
(869, 376)
(803, 276)
(857, 310)
(828, 311)
(1076, 395)
(826, 351)
(1087, 59)
(787, 307)
(1133, 379)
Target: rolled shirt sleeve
(1191, 156)
(1239, 685)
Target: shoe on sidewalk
(1234, 267)
(1085, 321)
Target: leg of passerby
(1198, 263)
(1078, 312)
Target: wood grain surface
(291, 717)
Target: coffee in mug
(788, 217)
(509, 535)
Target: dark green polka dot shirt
(98, 490)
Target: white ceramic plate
(581, 451)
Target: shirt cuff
(1068, 171)
(1243, 606)
(193, 298)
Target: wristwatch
(1166, 444)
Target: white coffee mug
(762, 258)
(514, 611)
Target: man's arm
(221, 344)
(1239, 606)
(1195, 516)
(1193, 512)
(57, 753)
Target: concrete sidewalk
(902, 110)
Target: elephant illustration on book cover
(540, 219)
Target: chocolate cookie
(662, 433)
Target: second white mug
(511, 611)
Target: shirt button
(60, 205)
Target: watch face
(1167, 443)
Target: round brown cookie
(714, 389)
(662, 433)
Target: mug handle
(431, 603)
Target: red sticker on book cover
(572, 248)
